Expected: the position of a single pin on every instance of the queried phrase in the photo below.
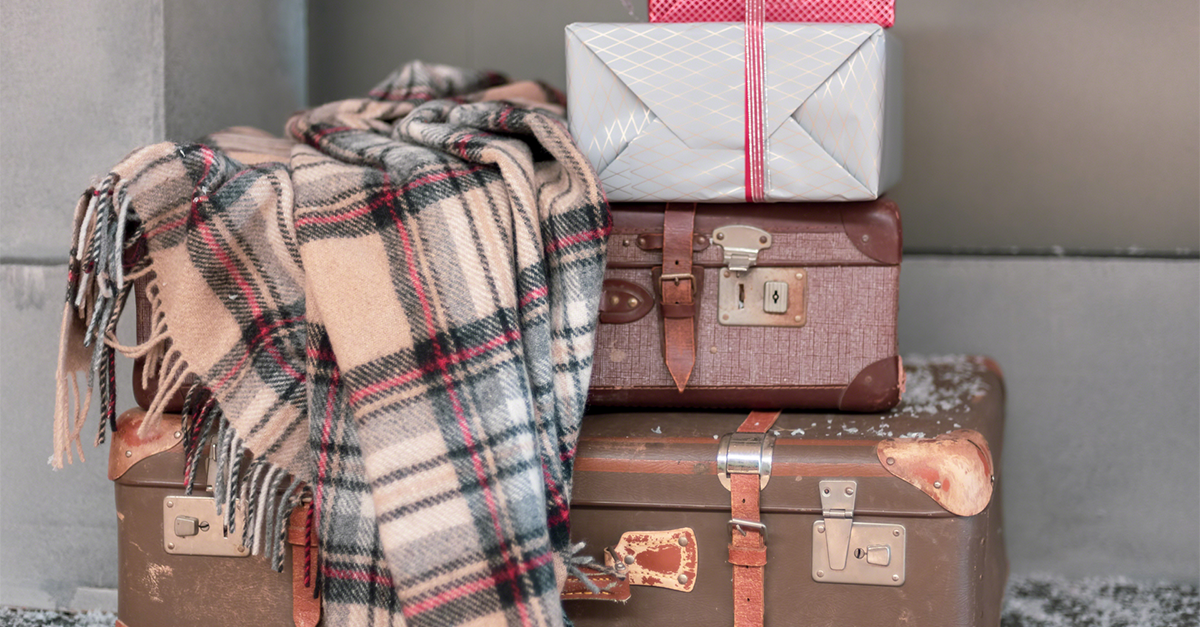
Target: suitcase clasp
(878, 548)
(741, 244)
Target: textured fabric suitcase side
(841, 264)
(660, 471)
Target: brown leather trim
(654, 241)
(876, 232)
(120, 624)
(955, 469)
(876, 388)
(128, 448)
(780, 217)
(306, 602)
(612, 588)
(748, 397)
(624, 301)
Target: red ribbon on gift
(755, 141)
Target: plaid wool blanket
(392, 316)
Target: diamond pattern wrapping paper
(658, 109)
(882, 12)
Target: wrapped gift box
(881, 12)
(660, 110)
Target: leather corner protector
(876, 233)
(612, 587)
(955, 469)
(128, 448)
(624, 301)
(662, 559)
(876, 388)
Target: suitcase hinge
(745, 453)
(877, 549)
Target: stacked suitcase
(753, 268)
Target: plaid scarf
(395, 320)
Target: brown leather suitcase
(178, 568)
(788, 305)
(869, 519)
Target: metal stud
(895, 577)
(937, 484)
(762, 240)
(683, 541)
(178, 434)
(629, 559)
(683, 579)
(866, 238)
(128, 453)
(171, 545)
(820, 573)
(633, 302)
(849, 491)
(891, 461)
(720, 236)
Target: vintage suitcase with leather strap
(755, 306)
(178, 567)
(802, 519)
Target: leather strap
(306, 603)
(678, 294)
(748, 546)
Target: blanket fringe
(258, 496)
(107, 256)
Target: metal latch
(745, 453)
(191, 526)
(845, 551)
(753, 296)
(741, 244)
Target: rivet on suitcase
(864, 519)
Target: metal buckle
(676, 278)
(738, 523)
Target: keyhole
(775, 297)
(741, 295)
(860, 553)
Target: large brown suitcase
(178, 568)
(912, 509)
(788, 305)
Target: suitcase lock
(876, 549)
(752, 296)
(745, 453)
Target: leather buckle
(676, 278)
(685, 309)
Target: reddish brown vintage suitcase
(787, 305)
(869, 519)
(177, 567)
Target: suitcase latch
(191, 526)
(741, 244)
(845, 551)
(752, 296)
(745, 453)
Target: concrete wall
(83, 83)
